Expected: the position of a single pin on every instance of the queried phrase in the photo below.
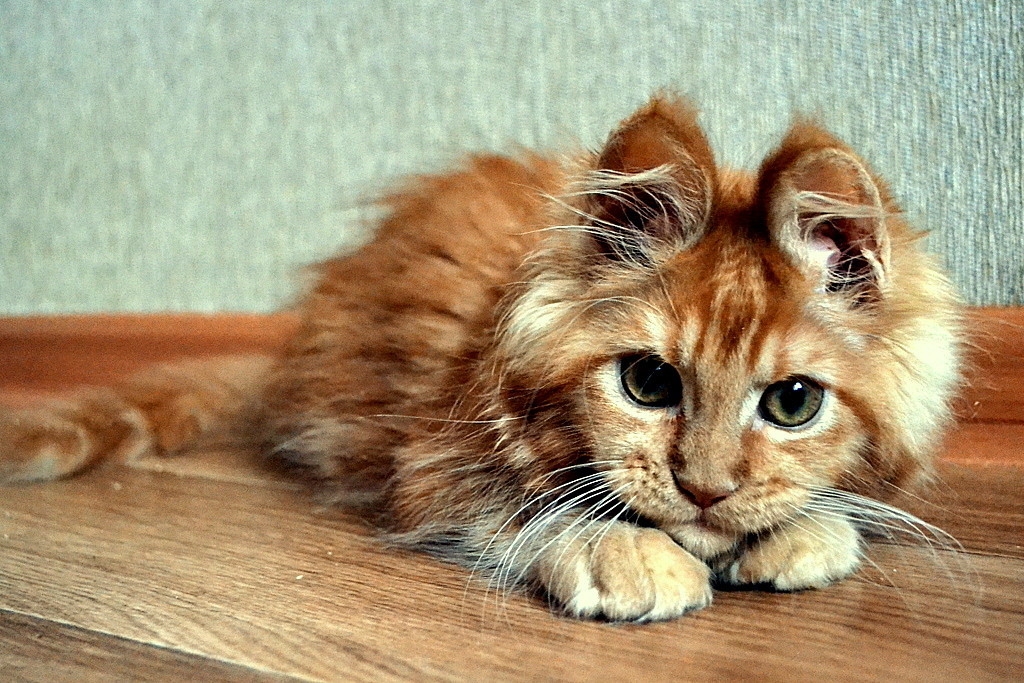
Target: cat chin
(701, 539)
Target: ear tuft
(826, 211)
(657, 135)
(654, 181)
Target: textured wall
(191, 154)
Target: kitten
(615, 379)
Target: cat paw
(630, 574)
(36, 445)
(815, 554)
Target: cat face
(716, 406)
(718, 345)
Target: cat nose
(703, 497)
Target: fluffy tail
(157, 411)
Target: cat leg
(589, 565)
(811, 552)
(158, 411)
(624, 573)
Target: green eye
(792, 402)
(650, 382)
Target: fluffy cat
(615, 379)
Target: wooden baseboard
(47, 354)
(42, 355)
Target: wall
(192, 154)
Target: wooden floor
(207, 568)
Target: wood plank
(39, 651)
(980, 505)
(250, 575)
(214, 460)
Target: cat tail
(157, 412)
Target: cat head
(719, 345)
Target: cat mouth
(707, 526)
(716, 523)
(702, 523)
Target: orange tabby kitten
(615, 379)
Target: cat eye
(791, 403)
(650, 382)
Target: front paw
(630, 574)
(812, 553)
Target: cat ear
(825, 211)
(654, 182)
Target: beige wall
(191, 155)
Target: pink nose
(703, 497)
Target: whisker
(861, 550)
(862, 505)
(544, 518)
(603, 531)
(893, 523)
(450, 420)
(610, 497)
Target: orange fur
(463, 370)
(158, 411)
